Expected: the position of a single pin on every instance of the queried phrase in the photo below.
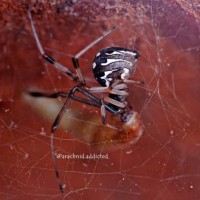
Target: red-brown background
(164, 163)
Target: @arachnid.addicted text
(81, 156)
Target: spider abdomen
(114, 63)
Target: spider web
(163, 164)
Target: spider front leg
(78, 55)
(48, 58)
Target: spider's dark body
(114, 63)
(113, 66)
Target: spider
(112, 68)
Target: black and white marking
(114, 63)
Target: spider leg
(115, 102)
(55, 164)
(47, 95)
(78, 55)
(64, 108)
(54, 128)
(108, 90)
(64, 95)
(137, 82)
(49, 59)
(57, 121)
(98, 89)
(104, 118)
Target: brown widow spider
(112, 68)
